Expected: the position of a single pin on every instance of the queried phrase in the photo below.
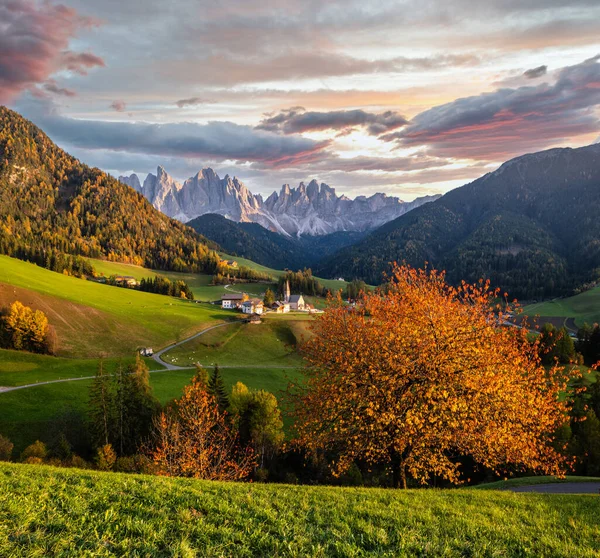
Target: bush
(35, 453)
(6, 448)
(105, 458)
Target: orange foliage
(194, 439)
(425, 373)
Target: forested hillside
(51, 205)
(531, 227)
(253, 241)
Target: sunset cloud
(219, 141)
(297, 120)
(118, 106)
(33, 42)
(510, 121)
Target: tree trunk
(398, 470)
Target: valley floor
(47, 511)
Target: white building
(232, 300)
(253, 306)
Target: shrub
(6, 448)
(35, 453)
(105, 458)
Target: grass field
(271, 343)
(61, 512)
(584, 307)
(26, 413)
(92, 319)
(18, 368)
(275, 273)
(530, 481)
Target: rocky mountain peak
(311, 209)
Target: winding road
(167, 366)
(157, 356)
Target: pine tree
(216, 387)
(101, 405)
(269, 298)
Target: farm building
(253, 306)
(280, 307)
(231, 300)
(126, 280)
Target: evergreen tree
(101, 406)
(269, 298)
(216, 387)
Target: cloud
(192, 101)
(52, 87)
(232, 70)
(296, 120)
(535, 73)
(509, 121)
(119, 106)
(79, 62)
(218, 141)
(33, 39)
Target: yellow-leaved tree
(26, 329)
(423, 373)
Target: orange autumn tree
(193, 439)
(423, 373)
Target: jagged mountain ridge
(311, 209)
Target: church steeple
(286, 292)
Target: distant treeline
(226, 275)
(157, 285)
(301, 282)
(55, 260)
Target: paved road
(561, 488)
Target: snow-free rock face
(132, 181)
(306, 210)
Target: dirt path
(561, 488)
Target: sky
(409, 98)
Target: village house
(126, 280)
(253, 306)
(231, 300)
(297, 302)
(280, 307)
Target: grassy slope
(26, 413)
(529, 481)
(328, 283)
(271, 343)
(584, 307)
(109, 320)
(69, 512)
(198, 283)
(18, 368)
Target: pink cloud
(33, 44)
(119, 106)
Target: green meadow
(92, 319)
(59, 512)
(584, 307)
(271, 343)
(27, 413)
